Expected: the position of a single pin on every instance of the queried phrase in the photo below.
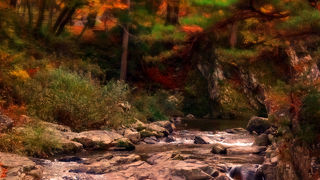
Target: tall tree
(125, 44)
(173, 7)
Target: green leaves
(220, 3)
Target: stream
(184, 154)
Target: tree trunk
(124, 56)
(65, 21)
(51, 8)
(233, 36)
(42, 6)
(13, 3)
(30, 15)
(60, 18)
(173, 7)
(82, 32)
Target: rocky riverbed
(150, 151)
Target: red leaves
(3, 171)
(171, 79)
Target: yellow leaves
(20, 74)
(268, 8)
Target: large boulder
(95, 139)
(157, 128)
(218, 148)
(258, 124)
(6, 123)
(170, 127)
(261, 140)
(244, 172)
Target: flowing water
(155, 158)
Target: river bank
(165, 152)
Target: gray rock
(258, 124)
(6, 123)
(261, 140)
(218, 149)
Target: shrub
(310, 115)
(73, 100)
(157, 106)
(32, 140)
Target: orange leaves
(192, 29)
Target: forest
(160, 89)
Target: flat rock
(19, 167)
(96, 139)
(246, 150)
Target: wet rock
(236, 130)
(6, 123)
(261, 140)
(258, 124)
(70, 159)
(202, 140)
(96, 139)
(133, 136)
(218, 149)
(169, 139)
(246, 150)
(245, 172)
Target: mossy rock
(124, 144)
(258, 124)
(148, 133)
